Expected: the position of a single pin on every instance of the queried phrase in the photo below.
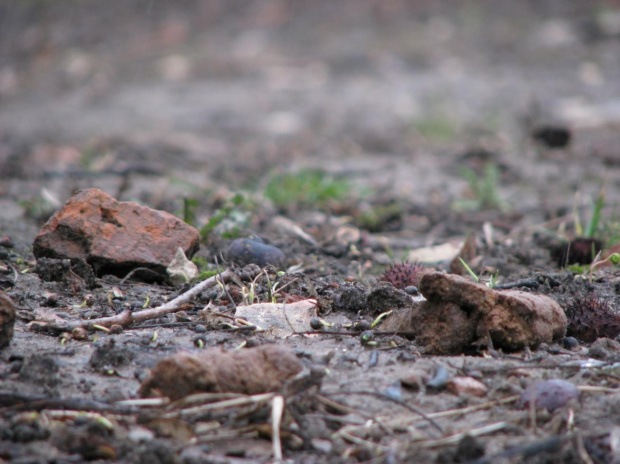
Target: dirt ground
(441, 119)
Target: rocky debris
(590, 317)
(251, 371)
(604, 349)
(109, 355)
(244, 251)
(466, 386)
(353, 297)
(89, 438)
(548, 394)
(7, 319)
(114, 237)
(460, 315)
(521, 319)
(278, 319)
(42, 370)
(74, 274)
(350, 297)
(181, 270)
(403, 275)
(384, 297)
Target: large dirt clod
(460, 315)
(252, 371)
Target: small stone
(469, 449)
(51, 298)
(549, 394)
(414, 380)
(116, 329)
(412, 290)
(79, 333)
(361, 325)
(466, 386)
(244, 251)
(570, 343)
(439, 380)
(182, 316)
(322, 445)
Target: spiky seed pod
(590, 318)
(403, 275)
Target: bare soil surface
(438, 120)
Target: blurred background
(197, 96)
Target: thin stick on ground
(455, 438)
(277, 408)
(127, 318)
(383, 396)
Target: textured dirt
(155, 102)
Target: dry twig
(127, 318)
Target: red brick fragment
(114, 237)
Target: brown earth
(155, 102)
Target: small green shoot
(101, 328)
(304, 189)
(437, 127)
(241, 345)
(592, 228)
(469, 270)
(204, 275)
(613, 258)
(378, 217)
(189, 210)
(484, 189)
(147, 302)
(38, 208)
(609, 231)
(249, 295)
(229, 220)
(80, 306)
(593, 225)
(316, 323)
(491, 283)
(367, 338)
(201, 262)
(272, 293)
(493, 280)
(379, 318)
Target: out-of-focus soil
(159, 101)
